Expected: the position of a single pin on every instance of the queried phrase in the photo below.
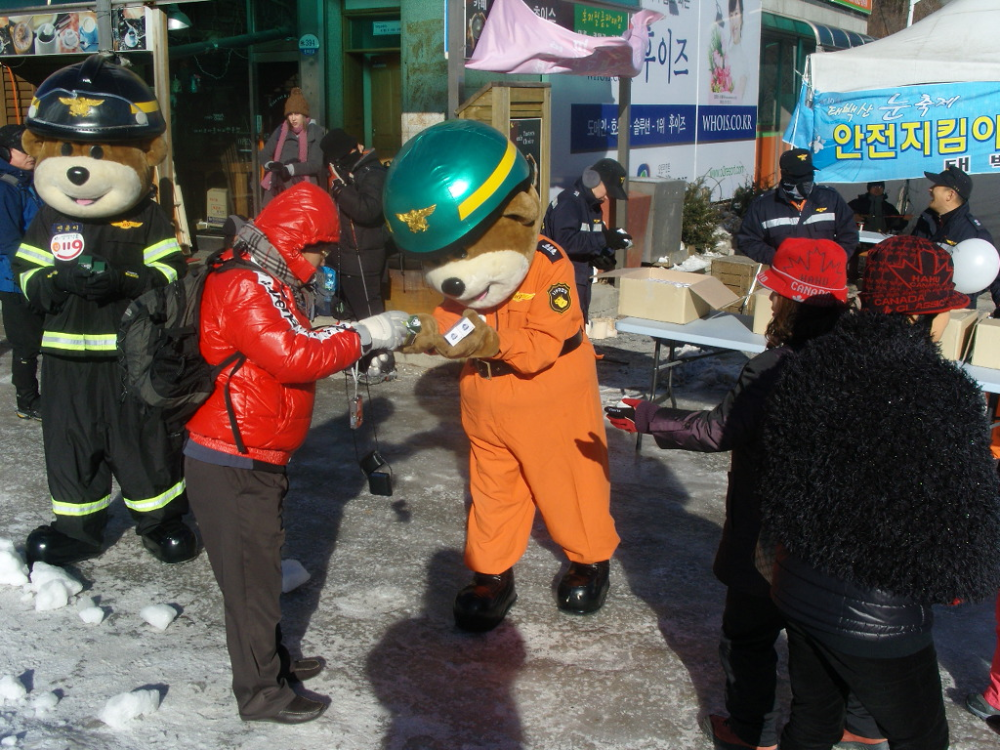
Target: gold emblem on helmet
(80, 106)
(416, 219)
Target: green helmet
(448, 184)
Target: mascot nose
(78, 175)
(453, 287)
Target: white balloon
(976, 265)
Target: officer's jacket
(954, 227)
(140, 240)
(772, 219)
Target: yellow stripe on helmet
(490, 186)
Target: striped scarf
(258, 248)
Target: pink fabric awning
(515, 40)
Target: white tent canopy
(960, 42)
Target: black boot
(46, 544)
(171, 542)
(584, 588)
(483, 604)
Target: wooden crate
(409, 292)
(737, 272)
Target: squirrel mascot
(96, 132)
(459, 198)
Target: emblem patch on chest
(67, 245)
(559, 299)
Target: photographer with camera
(575, 222)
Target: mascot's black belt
(492, 368)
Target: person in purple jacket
(808, 283)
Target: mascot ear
(156, 150)
(32, 144)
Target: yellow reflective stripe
(160, 250)
(35, 255)
(160, 501)
(169, 271)
(80, 342)
(80, 509)
(493, 182)
(27, 275)
(147, 107)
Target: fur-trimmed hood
(878, 468)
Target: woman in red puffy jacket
(253, 316)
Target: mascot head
(459, 198)
(96, 132)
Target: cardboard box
(986, 344)
(670, 296)
(737, 272)
(761, 310)
(958, 334)
(218, 206)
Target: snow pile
(90, 613)
(293, 575)
(53, 586)
(44, 703)
(12, 690)
(158, 615)
(692, 264)
(13, 571)
(122, 708)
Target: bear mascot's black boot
(171, 542)
(483, 604)
(584, 588)
(48, 545)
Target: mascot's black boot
(584, 588)
(171, 542)
(483, 604)
(46, 544)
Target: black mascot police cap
(95, 101)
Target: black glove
(279, 170)
(603, 261)
(617, 239)
(622, 415)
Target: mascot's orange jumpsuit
(534, 420)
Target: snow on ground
(375, 577)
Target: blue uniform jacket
(18, 205)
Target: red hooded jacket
(250, 311)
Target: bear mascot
(98, 242)
(459, 198)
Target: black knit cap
(10, 137)
(337, 144)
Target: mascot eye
(96, 152)
(520, 219)
(66, 149)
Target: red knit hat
(809, 271)
(906, 274)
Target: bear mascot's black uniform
(96, 132)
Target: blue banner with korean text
(900, 133)
(594, 127)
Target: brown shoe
(306, 668)
(298, 711)
(723, 738)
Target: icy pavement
(382, 573)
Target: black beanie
(10, 137)
(337, 144)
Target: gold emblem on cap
(80, 106)
(416, 219)
(801, 157)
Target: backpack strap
(10, 179)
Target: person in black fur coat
(808, 283)
(881, 493)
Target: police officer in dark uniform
(574, 220)
(797, 207)
(948, 221)
(97, 244)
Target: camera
(379, 478)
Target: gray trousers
(239, 516)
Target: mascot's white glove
(384, 331)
